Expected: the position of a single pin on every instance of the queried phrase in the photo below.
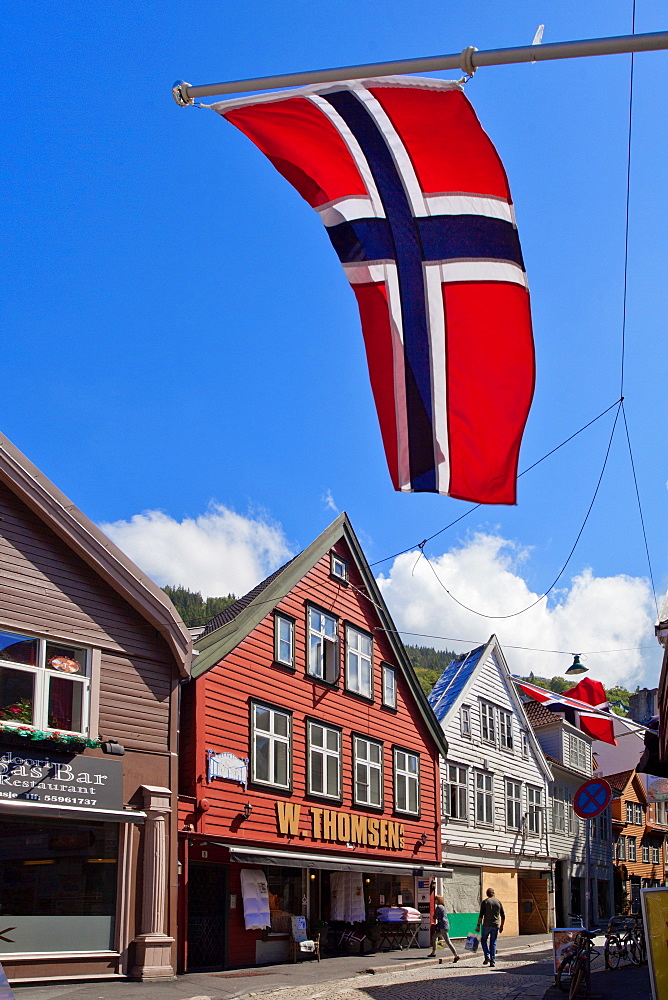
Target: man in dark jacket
(492, 919)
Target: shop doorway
(207, 894)
(533, 905)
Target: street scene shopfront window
(324, 748)
(43, 683)
(270, 745)
(285, 896)
(368, 764)
(57, 885)
(406, 782)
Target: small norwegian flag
(417, 206)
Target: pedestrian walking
(492, 918)
(440, 929)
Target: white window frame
(274, 740)
(363, 767)
(644, 846)
(338, 567)
(535, 810)
(322, 657)
(577, 753)
(326, 754)
(487, 723)
(629, 812)
(359, 664)
(406, 781)
(42, 680)
(505, 729)
(560, 817)
(454, 792)
(638, 819)
(621, 847)
(631, 847)
(484, 799)
(280, 621)
(513, 804)
(656, 854)
(465, 721)
(389, 686)
(525, 744)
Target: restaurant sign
(61, 779)
(331, 825)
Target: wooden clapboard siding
(221, 701)
(48, 590)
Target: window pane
(375, 752)
(280, 724)
(281, 763)
(18, 648)
(16, 695)
(262, 758)
(316, 736)
(374, 790)
(401, 792)
(413, 796)
(262, 719)
(332, 775)
(66, 659)
(65, 704)
(332, 740)
(361, 747)
(316, 772)
(330, 626)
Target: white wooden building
(495, 786)
(569, 754)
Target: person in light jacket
(440, 929)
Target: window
(656, 852)
(368, 765)
(602, 825)
(535, 815)
(621, 848)
(487, 722)
(455, 792)
(645, 852)
(484, 799)
(631, 845)
(359, 649)
(513, 804)
(338, 568)
(389, 686)
(560, 810)
(629, 812)
(525, 745)
(406, 782)
(270, 745)
(637, 814)
(284, 640)
(323, 646)
(44, 683)
(465, 721)
(505, 730)
(324, 758)
(578, 753)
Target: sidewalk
(628, 982)
(262, 979)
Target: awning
(23, 808)
(269, 856)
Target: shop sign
(226, 766)
(61, 779)
(331, 826)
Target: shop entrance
(533, 905)
(207, 893)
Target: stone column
(152, 946)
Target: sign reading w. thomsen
(344, 828)
(61, 779)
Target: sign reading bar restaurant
(60, 779)
(344, 828)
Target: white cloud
(593, 613)
(218, 553)
(328, 501)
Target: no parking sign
(592, 798)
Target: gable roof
(620, 780)
(538, 715)
(79, 533)
(238, 620)
(452, 686)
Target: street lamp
(576, 666)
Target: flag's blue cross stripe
(403, 238)
(411, 242)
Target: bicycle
(622, 941)
(573, 972)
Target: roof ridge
(229, 613)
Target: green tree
(193, 608)
(429, 664)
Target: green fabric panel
(462, 924)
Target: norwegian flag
(417, 206)
(577, 703)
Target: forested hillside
(429, 663)
(193, 608)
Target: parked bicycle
(574, 971)
(624, 941)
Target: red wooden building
(310, 756)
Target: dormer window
(43, 683)
(338, 568)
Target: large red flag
(592, 693)
(417, 206)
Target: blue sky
(177, 331)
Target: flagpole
(467, 61)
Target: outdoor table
(398, 934)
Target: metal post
(588, 882)
(467, 61)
